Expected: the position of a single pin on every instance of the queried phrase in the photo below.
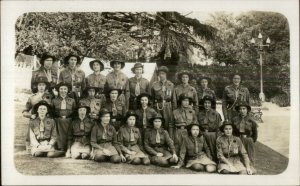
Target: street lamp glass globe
(268, 41)
(259, 36)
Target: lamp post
(260, 45)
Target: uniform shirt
(70, 103)
(76, 78)
(184, 116)
(77, 133)
(210, 120)
(125, 140)
(35, 98)
(120, 109)
(159, 94)
(206, 92)
(150, 113)
(96, 80)
(94, 103)
(188, 148)
(187, 90)
(231, 147)
(51, 75)
(111, 136)
(250, 126)
(165, 141)
(49, 129)
(143, 84)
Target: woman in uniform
(157, 142)
(204, 90)
(42, 132)
(246, 128)
(137, 85)
(64, 107)
(232, 95)
(195, 152)
(79, 133)
(210, 120)
(233, 158)
(105, 146)
(130, 140)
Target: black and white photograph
(158, 92)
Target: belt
(180, 127)
(157, 145)
(45, 139)
(243, 135)
(231, 156)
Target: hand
(33, 116)
(55, 92)
(159, 154)
(175, 157)
(113, 120)
(68, 154)
(232, 168)
(123, 158)
(131, 152)
(106, 152)
(176, 166)
(249, 171)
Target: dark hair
(189, 128)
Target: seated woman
(130, 140)
(210, 120)
(79, 134)
(231, 152)
(195, 151)
(156, 143)
(246, 128)
(42, 132)
(105, 146)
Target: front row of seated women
(98, 140)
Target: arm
(224, 105)
(33, 140)
(243, 154)
(170, 142)
(254, 131)
(70, 135)
(120, 141)
(147, 146)
(196, 101)
(182, 154)
(127, 95)
(94, 139)
(220, 153)
(115, 143)
(174, 99)
(53, 134)
(28, 106)
(206, 149)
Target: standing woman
(144, 113)
(157, 143)
(137, 85)
(42, 132)
(130, 140)
(96, 79)
(232, 95)
(79, 134)
(116, 107)
(210, 120)
(195, 152)
(105, 146)
(246, 128)
(73, 76)
(204, 90)
(64, 107)
(231, 152)
(185, 88)
(162, 94)
(119, 80)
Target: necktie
(73, 81)
(131, 135)
(63, 104)
(81, 125)
(196, 146)
(49, 76)
(116, 80)
(185, 115)
(206, 118)
(137, 89)
(157, 139)
(114, 109)
(144, 118)
(104, 134)
(42, 129)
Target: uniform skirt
(178, 138)
(62, 132)
(139, 153)
(41, 148)
(210, 138)
(107, 146)
(202, 159)
(166, 154)
(237, 165)
(78, 147)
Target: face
(228, 130)
(117, 66)
(236, 80)
(82, 112)
(162, 75)
(144, 101)
(72, 62)
(131, 121)
(105, 118)
(41, 87)
(185, 102)
(48, 63)
(157, 123)
(204, 83)
(42, 111)
(207, 105)
(91, 92)
(63, 91)
(138, 71)
(185, 78)
(96, 67)
(113, 95)
(195, 131)
(243, 110)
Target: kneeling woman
(131, 141)
(230, 150)
(156, 143)
(42, 132)
(195, 152)
(104, 140)
(79, 134)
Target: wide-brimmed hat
(137, 65)
(66, 59)
(112, 89)
(42, 102)
(184, 96)
(180, 74)
(117, 61)
(143, 95)
(188, 127)
(130, 113)
(163, 69)
(97, 61)
(41, 79)
(63, 84)
(157, 116)
(83, 105)
(225, 123)
(104, 111)
(97, 89)
(242, 103)
(209, 98)
(46, 56)
(205, 77)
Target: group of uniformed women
(119, 119)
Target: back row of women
(120, 119)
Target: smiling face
(117, 66)
(82, 112)
(63, 91)
(157, 123)
(185, 102)
(72, 62)
(204, 83)
(236, 80)
(41, 87)
(131, 121)
(96, 67)
(162, 75)
(105, 119)
(207, 104)
(243, 111)
(42, 111)
(195, 130)
(185, 79)
(113, 95)
(228, 130)
(138, 71)
(144, 101)
(48, 63)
